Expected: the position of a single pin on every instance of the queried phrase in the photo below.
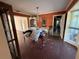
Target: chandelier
(37, 16)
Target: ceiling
(45, 6)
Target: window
(75, 19)
(74, 25)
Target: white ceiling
(45, 6)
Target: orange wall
(49, 18)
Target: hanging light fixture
(37, 13)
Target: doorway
(7, 19)
(56, 29)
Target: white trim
(71, 42)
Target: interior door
(10, 30)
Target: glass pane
(6, 27)
(12, 49)
(9, 19)
(15, 48)
(78, 22)
(73, 33)
(75, 13)
(75, 19)
(73, 22)
(74, 25)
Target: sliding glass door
(74, 25)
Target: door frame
(65, 25)
(53, 19)
(3, 7)
(64, 22)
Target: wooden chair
(27, 34)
